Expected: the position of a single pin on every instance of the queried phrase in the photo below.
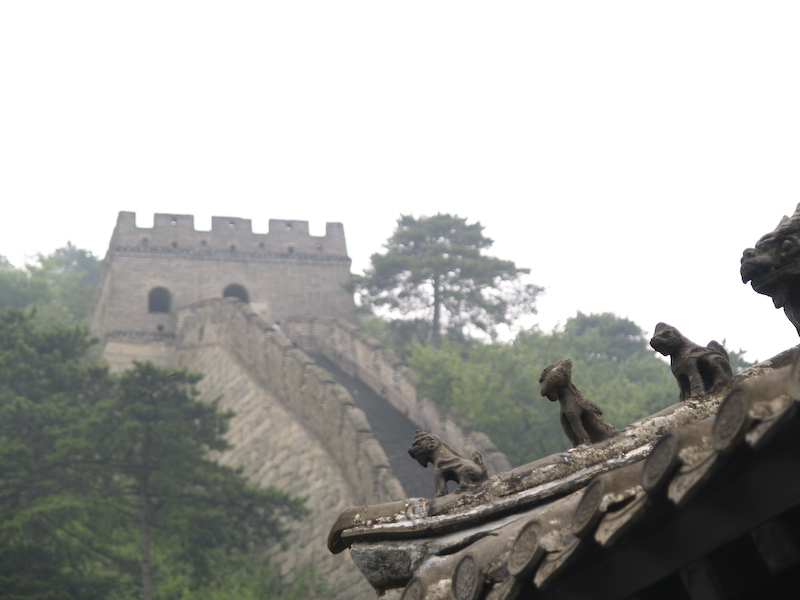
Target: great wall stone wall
(297, 429)
(295, 426)
(149, 272)
(362, 357)
(273, 449)
(324, 408)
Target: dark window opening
(235, 290)
(261, 245)
(161, 328)
(203, 243)
(159, 300)
(174, 244)
(291, 249)
(233, 247)
(144, 240)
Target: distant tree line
(60, 284)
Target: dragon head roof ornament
(773, 266)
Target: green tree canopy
(18, 289)
(59, 284)
(156, 438)
(108, 485)
(48, 391)
(436, 268)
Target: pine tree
(157, 437)
(436, 266)
(48, 391)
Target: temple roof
(664, 507)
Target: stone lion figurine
(447, 465)
(773, 266)
(580, 418)
(697, 368)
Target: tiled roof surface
(624, 518)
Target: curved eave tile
(577, 520)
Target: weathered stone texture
(121, 350)
(295, 427)
(284, 272)
(274, 449)
(324, 408)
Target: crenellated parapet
(228, 235)
(150, 273)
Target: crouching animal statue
(773, 267)
(697, 368)
(580, 418)
(447, 465)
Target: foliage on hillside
(59, 284)
(496, 385)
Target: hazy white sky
(627, 152)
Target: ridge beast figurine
(697, 368)
(580, 418)
(447, 465)
(773, 266)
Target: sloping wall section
(308, 392)
(272, 448)
(294, 428)
(362, 357)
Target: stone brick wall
(295, 428)
(323, 407)
(273, 448)
(285, 272)
(121, 350)
(361, 356)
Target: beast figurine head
(423, 447)
(667, 340)
(773, 266)
(554, 377)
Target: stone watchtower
(149, 273)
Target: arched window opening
(159, 300)
(236, 291)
